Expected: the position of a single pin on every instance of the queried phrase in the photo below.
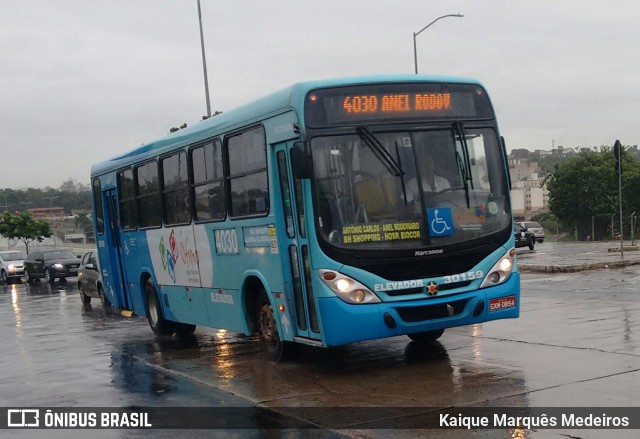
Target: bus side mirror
(301, 160)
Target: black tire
(47, 276)
(4, 278)
(426, 336)
(184, 330)
(86, 300)
(157, 322)
(532, 244)
(27, 277)
(103, 299)
(277, 350)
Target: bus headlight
(347, 289)
(501, 271)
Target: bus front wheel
(184, 330)
(277, 349)
(158, 324)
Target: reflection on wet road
(575, 344)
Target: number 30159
(471, 275)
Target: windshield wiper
(464, 164)
(402, 185)
(380, 152)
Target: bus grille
(416, 268)
(411, 314)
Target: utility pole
(617, 150)
(204, 63)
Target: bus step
(126, 312)
(308, 341)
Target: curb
(535, 268)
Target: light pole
(204, 63)
(415, 34)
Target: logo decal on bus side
(168, 257)
(174, 256)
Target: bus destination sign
(397, 102)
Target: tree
(24, 227)
(585, 187)
(81, 221)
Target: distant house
(47, 213)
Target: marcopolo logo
(23, 418)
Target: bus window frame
(139, 197)
(122, 200)
(229, 177)
(98, 207)
(222, 180)
(164, 191)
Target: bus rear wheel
(157, 322)
(426, 336)
(276, 349)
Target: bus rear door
(114, 248)
(295, 258)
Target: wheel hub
(268, 327)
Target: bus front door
(296, 255)
(114, 248)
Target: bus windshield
(409, 189)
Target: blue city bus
(327, 213)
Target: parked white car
(11, 266)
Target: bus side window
(175, 189)
(207, 185)
(248, 173)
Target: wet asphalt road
(576, 343)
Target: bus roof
(291, 97)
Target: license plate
(502, 303)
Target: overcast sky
(82, 81)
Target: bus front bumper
(344, 323)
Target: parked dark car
(534, 228)
(524, 238)
(50, 265)
(90, 279)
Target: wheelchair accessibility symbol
(440, 221)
